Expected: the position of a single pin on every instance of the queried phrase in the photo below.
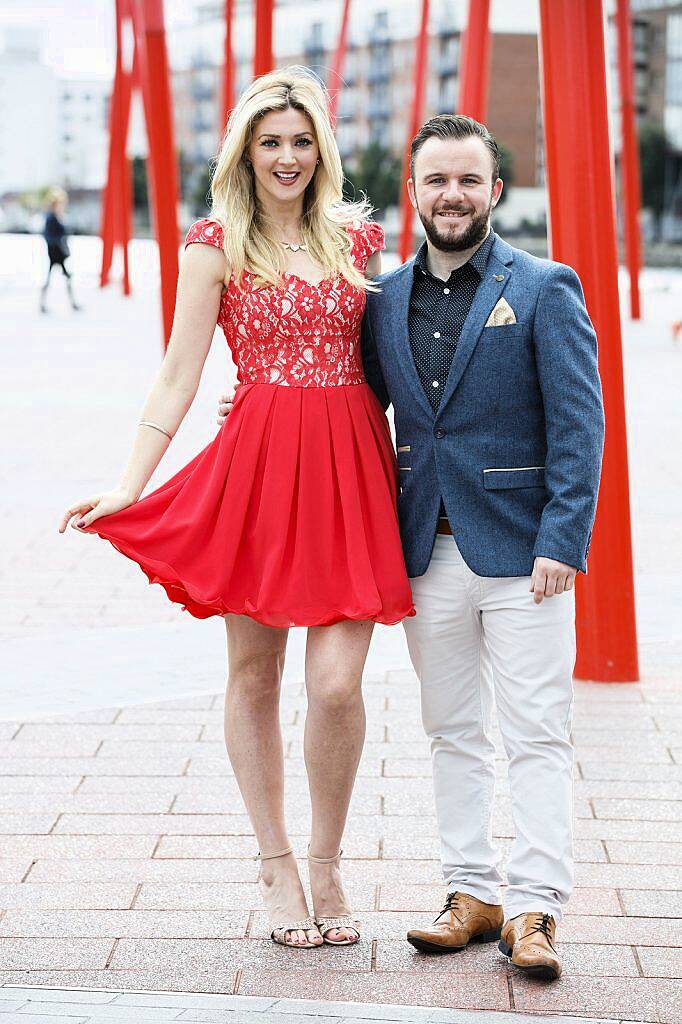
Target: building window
(640, 41)
(673, 82)
(673, 125)
(348, 102)
(379, 29)
(449, 51)
(447, 96)
(316, 40)
(641, 82)
(674, 36)
(379, 131)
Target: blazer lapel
(401, 287)
(497, 274)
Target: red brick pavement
(129, 863)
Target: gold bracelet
(148, 423)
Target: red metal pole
(117, 193)
(335, 78)
(262, 59)
(108, 219)
(150, 40)
(420, 71)
(107, 216)
(474, 75)
(583, 234)
(631, 189)
(126, 221)
(228, 66)
(129, 78)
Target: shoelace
(451, 903)
(541, 924)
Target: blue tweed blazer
(515, 448)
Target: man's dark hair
(455, 126)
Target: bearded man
(489, 359)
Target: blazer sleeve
(370, 359)
(566, 359)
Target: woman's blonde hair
(249, 240)
(55, 195)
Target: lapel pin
(499, 277)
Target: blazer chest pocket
(512, 476)
(504, 331)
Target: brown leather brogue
(529, 942)
(462, 920)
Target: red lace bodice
(302, 335)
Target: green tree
(201, 193)
(140, 190)
(185, 168)
(653, 152)
(377, 172)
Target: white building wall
(28, 124)
(83, 132)
(53, 130)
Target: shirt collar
(478, 261)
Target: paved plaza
(128, 884)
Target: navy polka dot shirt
(438, 310)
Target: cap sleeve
(368, 238)
(207, 231)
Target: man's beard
(471, 236)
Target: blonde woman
(288, 518)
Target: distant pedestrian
(58, 250)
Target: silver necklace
(294, 246)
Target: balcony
(314, 53)
(378, 72)
(447, 64)
(201, 124)
(379, 32)
(378, 110)
(201, 91)
(201, 62)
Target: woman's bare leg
(334, 737)
(254, 745)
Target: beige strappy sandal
(328, 924)
(280, 931)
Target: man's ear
(411, 193)
(497, 192)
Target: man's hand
(550, 578)
(225, 403)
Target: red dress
(289, 515)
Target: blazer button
(440, 432)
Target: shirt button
(435, 384)
(440, 432)
(446, 291)
(436, 334)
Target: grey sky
(78, 35)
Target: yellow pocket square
(501, 315)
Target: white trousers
(474, 642)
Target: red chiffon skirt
(288, 516)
